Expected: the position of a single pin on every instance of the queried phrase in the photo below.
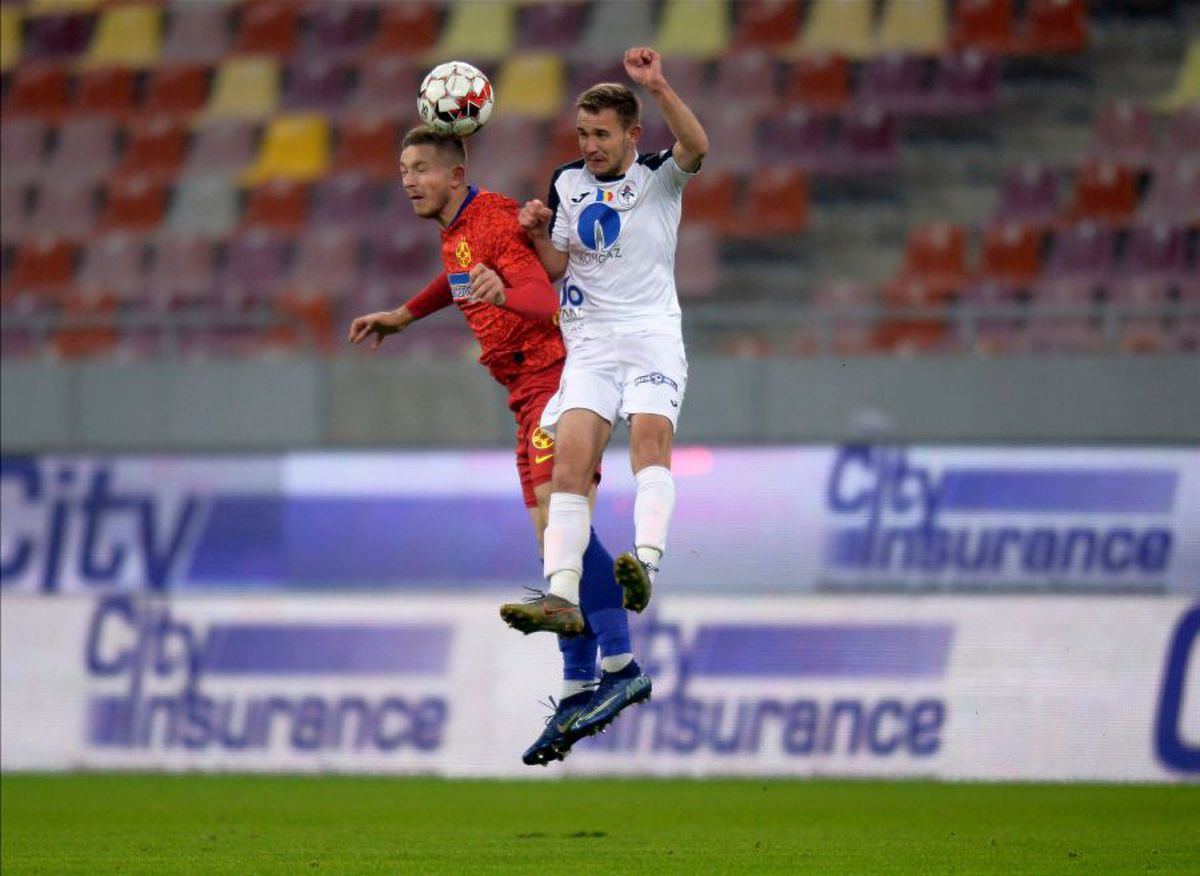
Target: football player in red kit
(494, 276)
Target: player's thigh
(591, 380)
(581, 437)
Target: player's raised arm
(535, 217)
(644, 66)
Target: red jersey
(486, 230)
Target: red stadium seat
(89, 340)
(1104, 192)
(44, 266)
(406, 29)
(107, 90)
(776, 204)
(710, 200)
(179, 90)
(983, 24)
(819, 82)
(135, 203)
(157, 146)
(278, 204)
(1011, 253)
(935, 261)
(1055, 26)
(37, 90)
(768, 24)
(268, 27)
(367, 145)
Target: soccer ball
(455, 98)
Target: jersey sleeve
(667, 170)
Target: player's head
(433, 169)
(608, 123)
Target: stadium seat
(984, 24)
(964, 82)
(294, 146)
(64, 208)
(746, 78)
(135, 203)
(23, 145)
(1028, 194)
(550, 26)
(735, 133)
(98, 336)
(406, 29)
(156, 147)
(57, 36)
(936, 257)
(711, 199)
(615, 24)
(842, 320)
(1104, 191)
(37, 90)
(696, 267)
(10, 37)
(106, 91)
(766, 24)
(916, 26)
(326, 262)
(267, 27)
(401, 258)
(307, 323)
(505, 159)
(45, 265)
(223, 146)
(869, 145)
(113, 263)
(367, 145)
(532, 85)
(1123, 133)
(1174, 193)
(483, 30)
(797, 137)
(278, 204)
(1055, 26)
(86, 149)
(343, 201)
(14, 210)
(840, 26)
(181, 270)
(1181, 141)
(203, 205)
(1156, 251)
(177, 90)
(820, 82)
(129, 35)
(1011, 253)
(245, 88)
(775, 204)
(996, 317)
(255, 265)
(1084, 251)
(892, 82)
(693, 28)
(317, 83)
(1186, 90)
(196, 32)
(337, 30)
(1064, 319)
(387, 85)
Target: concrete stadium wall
(352, 402)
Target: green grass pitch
(162, 824)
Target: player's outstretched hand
(644, 66)
(535, 218)
(378, 326)
(486, 285)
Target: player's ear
(458, 174)
(634, 133)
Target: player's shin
(601, 602)
(652, 509)
(579, 663)
(568, 527)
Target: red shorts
(527, 396)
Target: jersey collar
(472, 191)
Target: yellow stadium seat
(295, 147)
(477, 30)
(37, 7)
(694, 28)
(916, 26)
(246, 88)
(840, 26)
(10, 36)
(1187, 84)
(126, 35)
(532, 85)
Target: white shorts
(620, 376)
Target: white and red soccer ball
(456, 99)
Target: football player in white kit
(608, 231)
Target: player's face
(607, 146)
(427, 180)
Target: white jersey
(620, 236)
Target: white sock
(568, 529)
(652, 509)
(571, 687)
(615, 662)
